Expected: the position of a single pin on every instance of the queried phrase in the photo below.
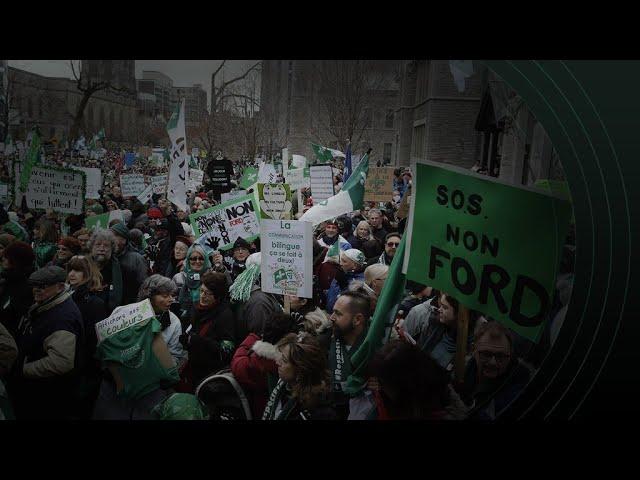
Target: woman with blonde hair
(362, 238)
(302, 392)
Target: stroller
(224, 398)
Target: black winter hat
(241, 243)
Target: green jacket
(44, 253)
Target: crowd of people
(218, 347)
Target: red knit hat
(71, 243)
(154, 212)
(202, 195)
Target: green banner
(494, 247)
(97, 221)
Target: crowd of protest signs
(167, 283)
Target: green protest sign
(275, 201)
(102, 220)
(249, 177)
(492, 246)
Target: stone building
(304, 101)
(436, 119)
(51, 102)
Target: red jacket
(252, 362)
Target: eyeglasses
(197, 259)
(205, 293)
(500, 357)
(393, 244)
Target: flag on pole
(347, 164)
(323, 154)
(333, 254)
(92, 144)
(101, 135)
(382, 322)
(349, 199)
(33, 156)
(179, 168)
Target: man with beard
(494, 376)
(391, 243)
(101, 247)
(134, 267)
(350, 320)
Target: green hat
(121, 230)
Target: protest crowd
(129, 310)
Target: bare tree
(345, 91)
(217, 123)
(88, 86)
(245, 119)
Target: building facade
(195, 105)
(304, 101)
(161, 86)
(51, 103)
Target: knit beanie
(154, 212)
(121, 230)
(355, 255)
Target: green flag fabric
(33, 157)
(383, 318)
(101, 134)
(249, 177)
(347, 200)
(323, 154)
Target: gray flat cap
(47, 276)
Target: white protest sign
(196, 175)
(62, 190)
(195, 151)
(287, 263)
(296, 180)
(298, 161)
(159, 183)
(132, 184)
(124, 317)
(145, 196)
(232, 194)
(94, 181)
(217, 228)
(321, 182)
(267, 173)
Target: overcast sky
(184, 73)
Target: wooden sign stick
(461, 343)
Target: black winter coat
(16, 297)
(93, 310)
(212, 342)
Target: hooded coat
(190, 291)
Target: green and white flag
(179, 167)
(349, 199)
(333, 254)
(101, 135)
(382, 322)
(249, 177)
(33, 157)
(323, 154)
